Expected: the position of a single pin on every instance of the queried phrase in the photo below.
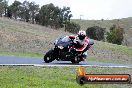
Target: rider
(81, 42)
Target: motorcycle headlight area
(61, 47)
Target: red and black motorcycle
(63, 51)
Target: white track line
(83, 66)
(16, 64)
(41, 65)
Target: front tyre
(48, 56)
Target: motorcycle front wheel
(48, 56)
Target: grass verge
(21, 54)
(53, 77)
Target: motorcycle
(63, 51)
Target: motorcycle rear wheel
(75, 60)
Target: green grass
(52, 77)
(117, 48)
(103, 60)
(111, 53)
(21, 54)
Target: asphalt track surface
(22, 60)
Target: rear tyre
(48, 56)
(75, 60)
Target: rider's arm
(83, 46)
(71, 37)
(91, 42)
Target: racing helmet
(81, 35)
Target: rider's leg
(84, 55)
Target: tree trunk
(5, 13)
(33, 18)
(15, 15)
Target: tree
(48, 15)
(72, 27)
(96, 32)
(2, 7)
(44, 15)
(9, 12)
(25, 10)
(37, 18)
(53, 16)
(65, 15)
(5, 4)
(33, 10)
(15, 8)
(115, 35)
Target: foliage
(48, 15)
(25, 11)
(9, 12)
(15, 8)
(33, 10)
(53, 16)
(95, 32)
(3, 7)
(72, 27)
(115, 35)
(65, 14)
